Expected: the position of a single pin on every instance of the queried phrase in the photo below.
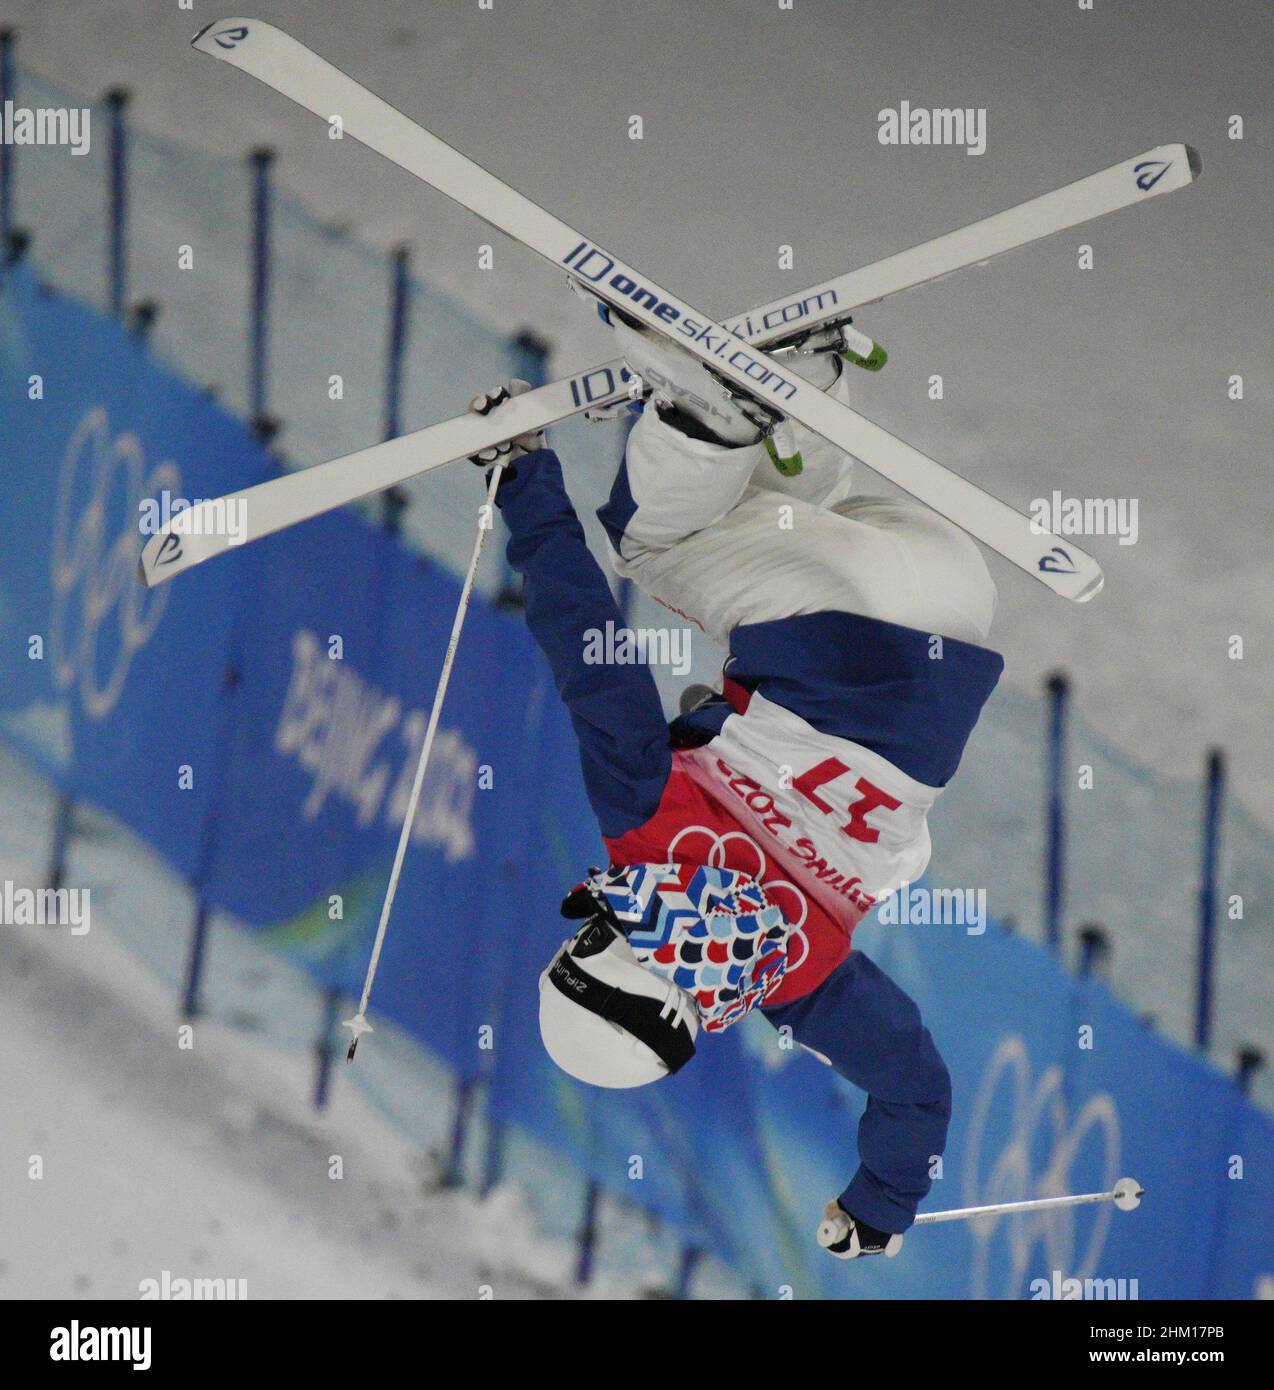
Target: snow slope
(209, 1161)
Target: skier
(746, 839)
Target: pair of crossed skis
(736, 352)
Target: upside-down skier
(749, 837)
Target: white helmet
(606, 1019)
(665, 949)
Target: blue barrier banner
(1058, 1088)
(337, 673)
(113, 690)
(258, 722)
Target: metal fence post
(1058, 688)
(493, 1160)
(586, 1241)
(1214, 791)
(529, 354)
(1250, 1061)
(326, 1046)
(453, 1176)
(117, 203)
(190, 1002)
(260, 161)
(1094, 949)
(141, 320)
(63, 832)
(690, 1257)
(394, 499)
(400, 284)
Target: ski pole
(1126, 1195)
(358, 1025)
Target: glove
(511, 449)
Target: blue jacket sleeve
(614, 709)
(872, 1034)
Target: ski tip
(1195, 160)
(1091, 589)
(159, 555)
(146, 565)
(1066, 570)
(229, 34)
(143, 569)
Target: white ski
(281, 62)
(200, 532)
(1161, 170)
(283, 502)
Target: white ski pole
(358, 1025)
(1126, 1195)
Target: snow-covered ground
(208, 1160)
(208, 1163)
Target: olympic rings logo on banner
(102, 613)
(1038, 1111)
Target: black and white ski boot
(847, 1238)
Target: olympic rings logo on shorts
(714, 855)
